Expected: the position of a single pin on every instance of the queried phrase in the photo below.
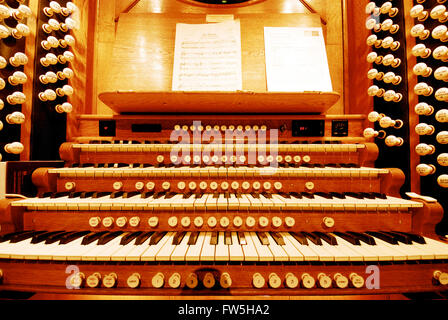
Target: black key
(193, 238)
(56, 237)
(319, 165)
(277, 238)
(97, 195)
(105, 239)
(313, 238)
(307, 195)
(214, 238)
(88, 239)
(227, 238)
(348, 237)
(59, 195)
(46, 195)
(146, 195)
(73, 195)
(143, 237)
(99, 165)
(169, 195)
(285, 195)
(106, 142)
(242, 238)
(177, 239)
(9, 236)
(380, 195)
(296, 195)
(367, 195)
(121, 165)
(73, 236)
(337, 195)
(355, 195)
(24, 236)
(300, 237)
(126, 239)
(156, 237)
(324, 195)
(44, 236)
(327, 237)
(400, 237)
(363, 237)
(267, 195)
(383, 236)
(333, 165)
(87, 165)
(187, 195)
(116, 194)
(75, 165)
(414, 237)
(85, 195)
(130, 194)
(263, 238)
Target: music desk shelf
(225, 102)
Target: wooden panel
(329, 9)
(148, 65)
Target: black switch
(339, 128)
(107, 128)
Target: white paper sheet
(296, 60)
(207, 57)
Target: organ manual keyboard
(232, 193)
(309, 216)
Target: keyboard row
(220, 246)
(231, 146)
(84, 201)
(125, 170)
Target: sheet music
(207, 57)
(296, 60)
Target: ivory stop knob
(110, 280)
(94, 222)
(77, 280)
(250, 222)
(341, 281)
(441, 277)
(237, 221)
(198, 222)
(93, 281)
(158, 280)
(185, 222)
(212, 222)
(225, 280)
(121, 222)
(442, 180)
(324, 280)
(191, 281)
(308, 281)
(134, 281)
(153, 222)
(291, 281)
(209, 280)
(174, 280)
(108, 222)
(172, 221)
(356, 280)
(274, 281)
(134, 221)
(328, 222)
(290, 222)
(258, 280)
(277, 222)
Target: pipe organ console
(146, 190)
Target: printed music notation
(207, 57)
(296, 60)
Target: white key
(165, 252)
(277, 251)
(264, 253)
(138, 250)
(221, 250)
(103, 252)
(208, 250)
(180, 251)
(308, 253)
(151, 252)
(194, 251)
(235, 249)
(250, 253)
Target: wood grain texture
(334, 49)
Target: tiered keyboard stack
(136, 213)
